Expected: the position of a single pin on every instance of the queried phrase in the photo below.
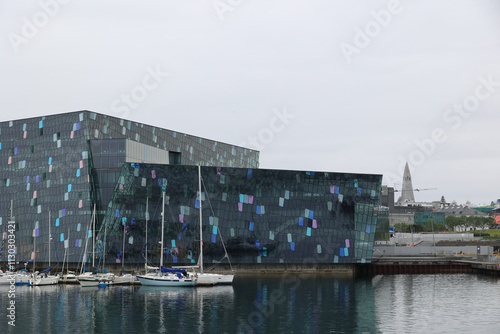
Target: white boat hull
(166, 280)
(42, 280)
(214, 279)
(68, 279)
(7, 278)
(124, 280)
(22, 278)
(94, 280)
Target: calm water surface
(459, 303)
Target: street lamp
(411, 231)
(433, 240)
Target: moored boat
(93, 280)
(69, 278)
(209, 278)
(43, 278)
(169, 277)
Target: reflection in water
(305, 304)
(185, 309)
(442, 303)
(253, 304)
(286, 303)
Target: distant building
(406, 210)
(421, 218)
(461, 210)
(407, 188)
(66, 165)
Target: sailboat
(69, 277)
(43, 278)
(124, 279)
(94, 278)
(10, 277)
(208, 278)
(167, 276)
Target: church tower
(407, 190)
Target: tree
(417, 228)
(402, 227)
(452, 222)
(430, 226)
(486, 222)
(463, 222)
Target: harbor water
(287, 303)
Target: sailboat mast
(84, 259)
(162, 227)
(123, 251)
(93, 237)
(104, 250)
(34, 249)
(67, 260)
(147, 214)
(49, 238)
(201, 220)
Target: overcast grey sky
(324, 85)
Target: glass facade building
(263, 216)
(63, 166)
(421, 218)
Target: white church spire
(407, 190)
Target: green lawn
(493, 233)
